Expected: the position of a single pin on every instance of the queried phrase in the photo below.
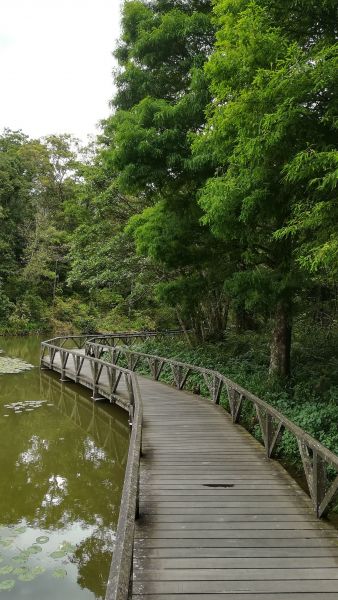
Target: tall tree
(160, 101)
(273, 106)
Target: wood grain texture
(256, 540)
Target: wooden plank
(214, 520)
(210, 535)
(156, 527)
(249, 542)
(236, 496)
(234, 553)
(231, 514)
(212, 483)
(246, 586)
(193, 477)
(239, 596)
(274, 503)
(250, 563)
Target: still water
(62, 461)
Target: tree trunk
(280, 348)
(244, 320)
(183, 327)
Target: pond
(62, 469)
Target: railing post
(42, 357)
(77, 360)
(52, 352)
(319, 481)
(131, 400)
(235, 402)
(95, 370)
(64, 354)
(268, 434)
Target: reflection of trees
(65, 466)
(25, 385)
(93, 558)
(106, 425)
(43, 449)
(27, 348)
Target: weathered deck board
(255, 540)
(259, 537)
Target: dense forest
(208, 201)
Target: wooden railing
(121, 570)
(111, 339)
(56, 357)
(317, 460)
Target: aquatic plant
(13, 365)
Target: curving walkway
(218, 520)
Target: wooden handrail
(111, 338)
(121, 570)
(315, 457)
(120, 576)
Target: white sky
(56, 64)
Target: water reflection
(61, 479)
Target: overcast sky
(56, 64)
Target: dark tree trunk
(217, 318)
(244, 320)
(280, 349)
(183, 327)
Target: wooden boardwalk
(218, 520)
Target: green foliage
(6, 307)
(74, 315)
(40, 182)
(273, 107)
(160, 43)
(160, 101)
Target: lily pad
(6, 569)
(13, 365)
(34, 549)
(58, 554)
(7, 584)
(29, 576)
(20, 529)
(38, 570)
(59, 573)
(20, 570)
(42, 539)
(21, 557)
(6, 542)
